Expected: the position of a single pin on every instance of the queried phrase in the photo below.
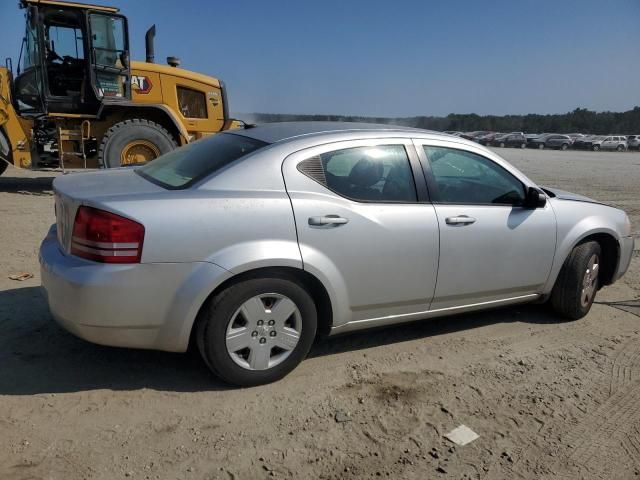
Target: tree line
(579, 120)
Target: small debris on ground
(462, 435)
(342, 417)
(21, 277)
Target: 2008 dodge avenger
(252, 241)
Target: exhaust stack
(149, 44)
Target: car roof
(277, 132)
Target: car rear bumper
(130, 305)
(626, 252)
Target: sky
(394, 58)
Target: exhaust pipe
(149, 40)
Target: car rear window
(186, 165)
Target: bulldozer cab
(74, 59)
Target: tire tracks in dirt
(595, 444)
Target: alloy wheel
(590, 281)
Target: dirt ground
(548, 399)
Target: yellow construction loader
(77, 100)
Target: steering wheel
(67, 60)
(52, 55)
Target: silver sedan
(252, 242)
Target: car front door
(492, 248)
(607, 144)
(365, 227)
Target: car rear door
(365, 226)
(492, 249)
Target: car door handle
(327, 220)
(460, 220)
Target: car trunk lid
(72, 191)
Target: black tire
(541, 146)
(620, 148)
(218, 312)
(501, 144)
(523, 145)
(596, 148)
(564, 146)
(567, 294)
(5, 152)
(123, 133)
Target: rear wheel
(257, 331)
(5, 152)
(523, 145)
(564, 146)
(596, 148)
(134, 142)
(541, 146)
(577, 283)
(501, 144)
(620, 148)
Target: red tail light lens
(106, 237)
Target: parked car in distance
(611, 142)
(250, 242)
(551, 140)
(488, 138)
(473, 136)
(510, 140)
(633, 142)
(586, 142)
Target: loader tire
(134, 142)
(5, 152)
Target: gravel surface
(548, 399)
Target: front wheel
(501, 144)
(257, 331)
(523, 145)
(577, 283)
(134, 142)
(620, 148)
(564, 146)
(596, 148)
(541, 146)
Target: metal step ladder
(78, 137)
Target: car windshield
(185, 166)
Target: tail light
(106, 237)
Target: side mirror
(535, 198)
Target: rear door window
(365, 174)
(186, 165)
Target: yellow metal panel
(178, 72)
(145, 86)
(86, 6)
(18, 130)
(195, 126)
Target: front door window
(463, 177)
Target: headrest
(366, 173)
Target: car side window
(463, 177)
(365, 174)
